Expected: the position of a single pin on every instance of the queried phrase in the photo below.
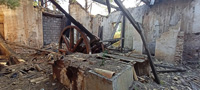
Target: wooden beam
(52, 15)
(24, 46)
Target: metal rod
(137, 27)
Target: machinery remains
(75, 40)
(87, 43)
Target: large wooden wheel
(72, 40)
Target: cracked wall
(161, 18)
(23, 25)
(169, 27)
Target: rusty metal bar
(137, 27)
(80, 26)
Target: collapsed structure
(168, 29)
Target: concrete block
(121, 81)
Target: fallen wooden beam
(124, 58)
(167, 71)
(28, 47)
(52, 15)
(8, 52)
(165, 66)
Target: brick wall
(179, 48)
(52, 27)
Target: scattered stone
(14, 75)
(166, 89)
(38, 67)
(36, 79)
(176, 78)
(14, 83)
(53, 84)
(21, 60)
(188, 88)
(173, 88)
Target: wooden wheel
(72, 40)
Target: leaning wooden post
(137, 27)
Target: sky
(98, 8)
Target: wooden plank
(134, 74)
(10, 43)
(124, 58)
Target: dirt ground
(188, 80)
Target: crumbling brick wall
(52, 27)
(179, 47)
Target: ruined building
(39, 47)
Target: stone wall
(22, 25)
(52, 27)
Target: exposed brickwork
(179, 47)
(52, 28)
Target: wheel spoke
(78, 43)
(66, 42)
(71, 38)
(74, 42)
(62, 50)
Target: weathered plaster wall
(169, 27)
(166, 44)
(23, 25)
(96, 22)
(132, 38)
(159, 20)
(81, 15)
(107, 23)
